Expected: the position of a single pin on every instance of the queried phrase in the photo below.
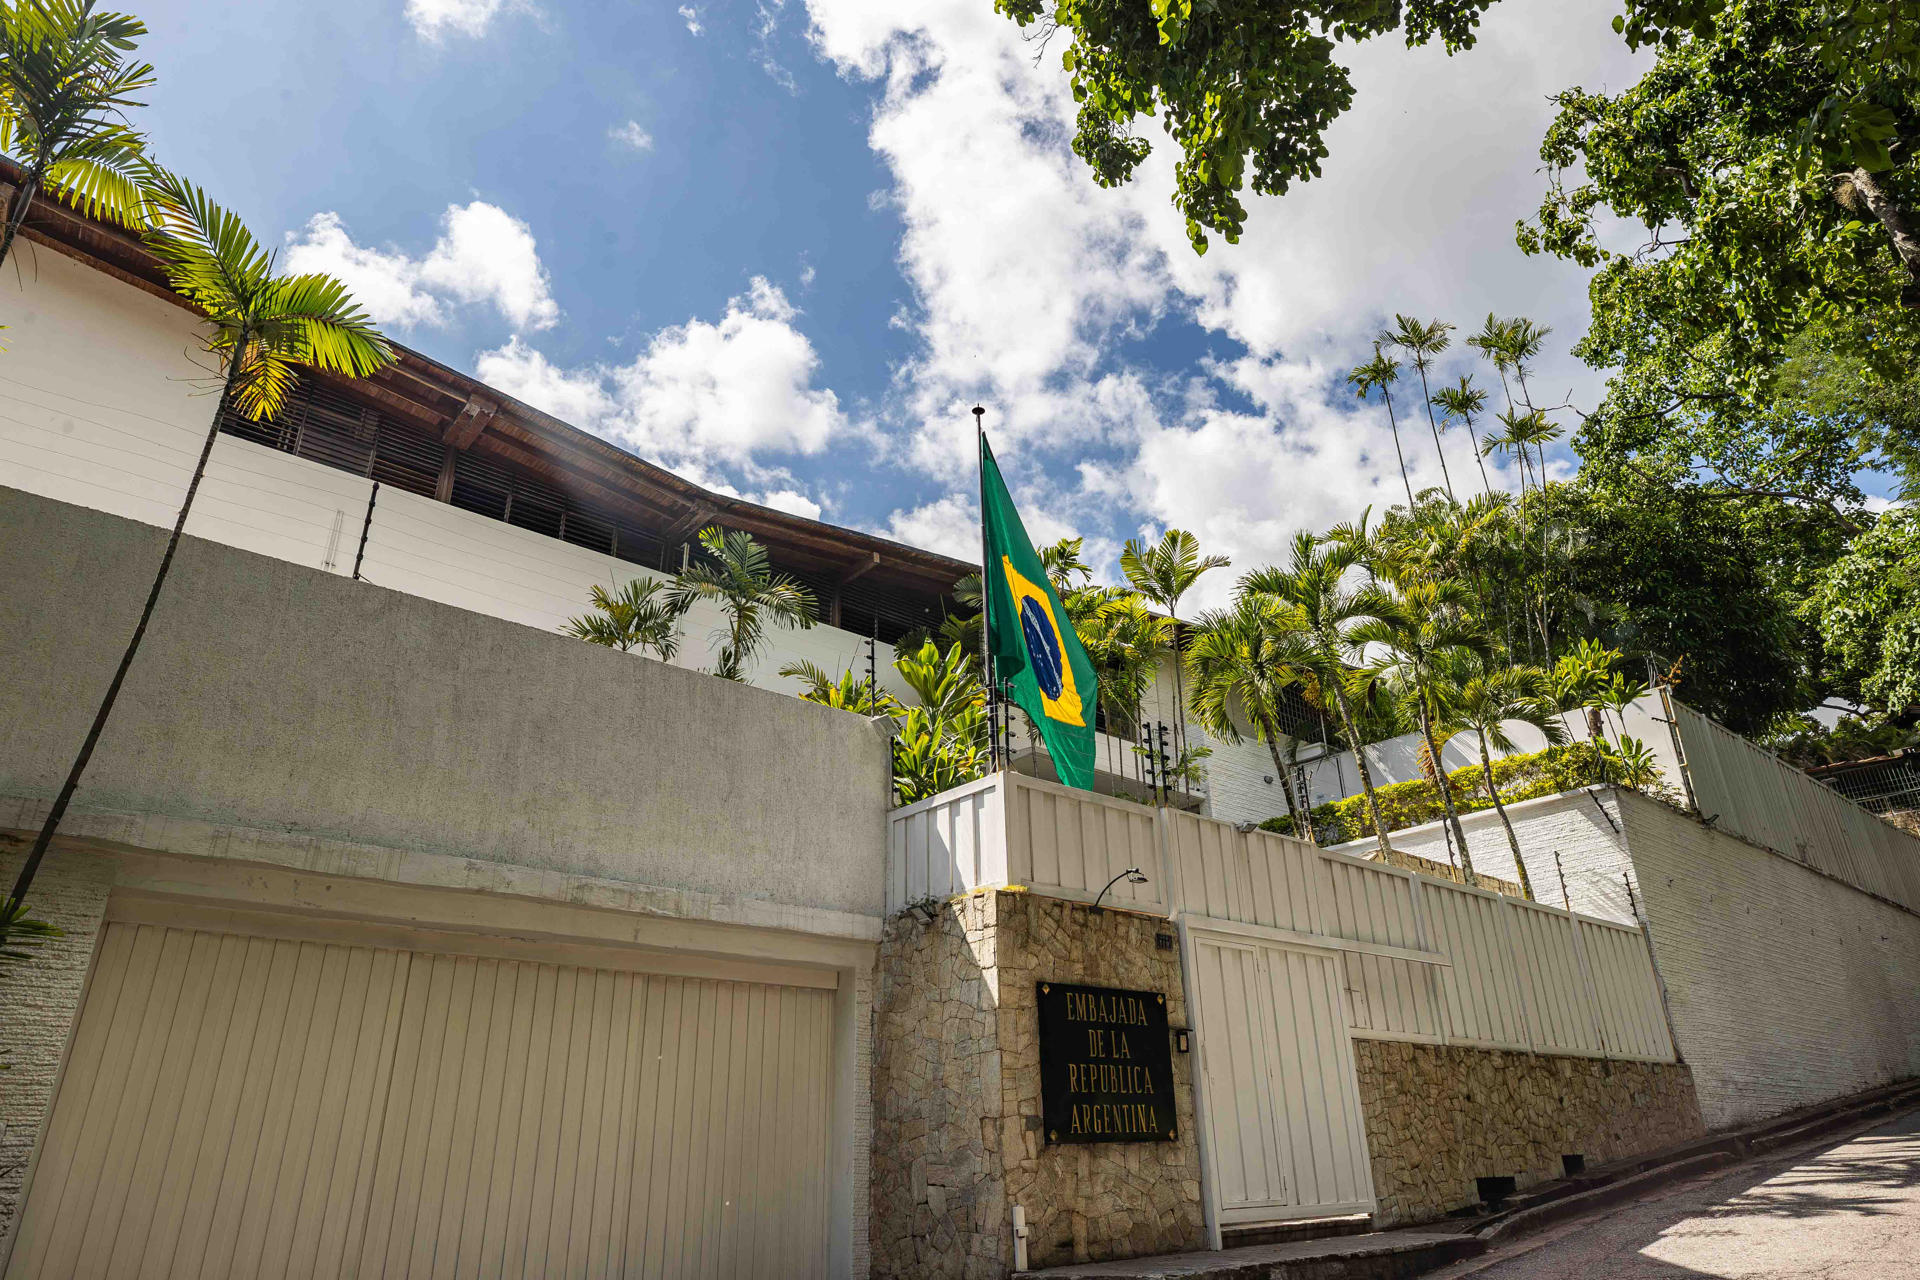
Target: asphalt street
(1847, 1207)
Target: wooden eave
(432, 396)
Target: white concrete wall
(105, 400)
(1787, 987)
(1582, 826)
(279, 699)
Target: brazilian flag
(1037, 656)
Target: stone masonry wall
(957, 1114)
(39, 1003)
(1440, 1116)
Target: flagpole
(986, 596)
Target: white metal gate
(1282, 1127)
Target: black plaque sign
(1106, 1066)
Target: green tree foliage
(65, 83)
(1163, 573)
(644, 614)
(1482, 697)
(1778, 180)
(1869, 616)
(737, 574)
(940, 739)
(1679, 576)
(1417, 634)
(1245, 662)
(1317, 593)
(21, 934)
(1246, 89)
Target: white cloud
(435, 19)
(949, 525)
(704, 393)
(1028, 279)
(483, 255)
(578, 398)
(791, 501)
(386, 284)
(632, 135)
(691, 16)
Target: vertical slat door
(1285, 1135)
(261, 1107)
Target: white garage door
(253, 1106)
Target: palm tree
(1580, 682)
(1381, 372)
(1245, 660)
(738, 575)
(1494, 342)
(1462, 401)
(1332, 612)
(1482, 699)
(1163, 573)
(849, 691)
(1414, 634)
(941, 740)
(262, 327)
(1423, 342)
(1512, 345)
(641, 615)
(1512, 441)
(64, 82)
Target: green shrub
(1409, 804)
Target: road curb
(1540, 1215)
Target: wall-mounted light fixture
(1132, 875)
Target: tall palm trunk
(1434, 427)
(17, 210)
(1479, 459)
(1397, 451)
(1366, 774)
(1302, 815)
(72, 784)
(1513, 841)
(1446, 792)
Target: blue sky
(782, 245)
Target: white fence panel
(1626, 992)
(1421, 959)
(1070, 843)
(1386, 997)
(1251, 877)
(952, 843)
(1747, 791)
(1480, 993)
(1561, 1017)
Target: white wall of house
(1583, 827)
(105, 401)
(331, 764)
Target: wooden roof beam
(871, 563)
(474, 417)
